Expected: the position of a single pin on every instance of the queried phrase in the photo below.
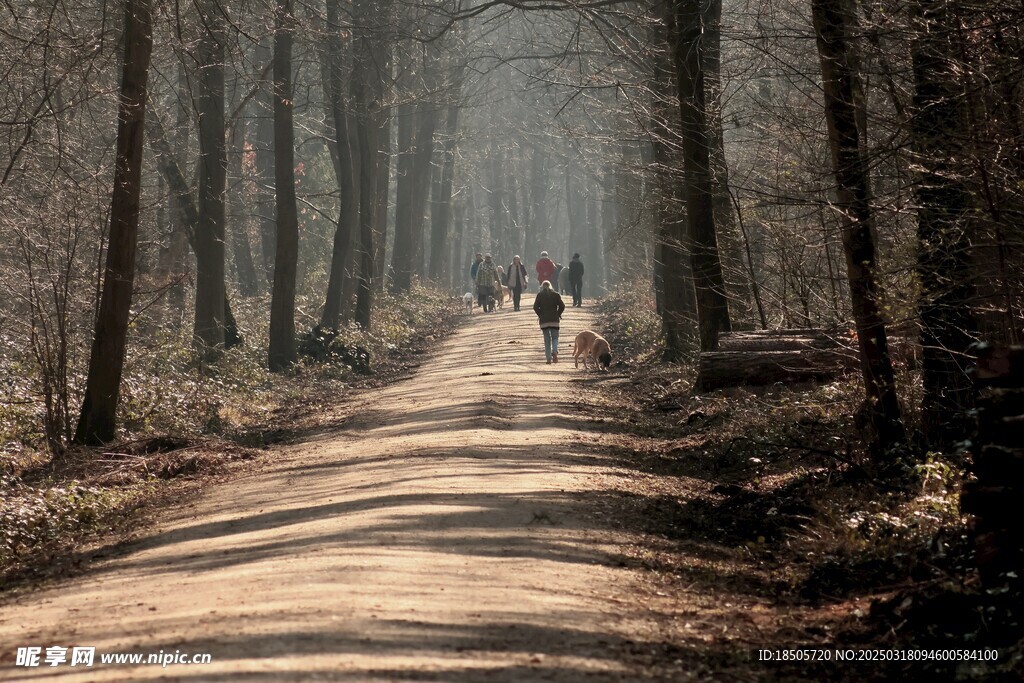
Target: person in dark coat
(549, 308)
(516, 280)
(576, 280)
(563, 280)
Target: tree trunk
(943, 236)
(441, 210)
(405, 119)
(458, 266)
(264, 140)
(97, 420)
(282, 353)
(178, 264)
(209, 239)
(495, 200)
(248, 281)
(835, 24)
(539, 227)
(345, 170)
(372, 63)
(171, 171)
(738, 284)
(673, 272)
(712, 304)
(383, 190)
(576, 207)
(427, 114)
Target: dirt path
(441, 536)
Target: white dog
(467, 299)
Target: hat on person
(576, 255)
(486, 256)
(543, 253)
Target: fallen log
(903, 350)
(763, 342)
(720, 369)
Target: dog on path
(467, 301)
(501, 294)
(592, 346)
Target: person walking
(486, 276)
(563, 280)
(576, 280)
(549, 308)
(517, 280)
(475, 267)
(545, 268)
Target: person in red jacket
(545, 268)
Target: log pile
(771, 356)
(757, 358)
(995, 496)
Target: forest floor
(493, 518)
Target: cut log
(720, 369)
(759, 342)
(903, 350)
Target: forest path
(442, 535)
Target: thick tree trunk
(943, 234)
(738, 283)
(712, 304)
(210, 231)
(345, 170)
(97, 420)
(673, 273)
(282, 352)
(171, 171)
(372, 64)
(835, 25)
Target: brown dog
(502, 294)
(592, 346)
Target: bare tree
(97, 420)
(835, 25)
(689, 49)
(282, 353)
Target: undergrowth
(780, 476)
(176, 420)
